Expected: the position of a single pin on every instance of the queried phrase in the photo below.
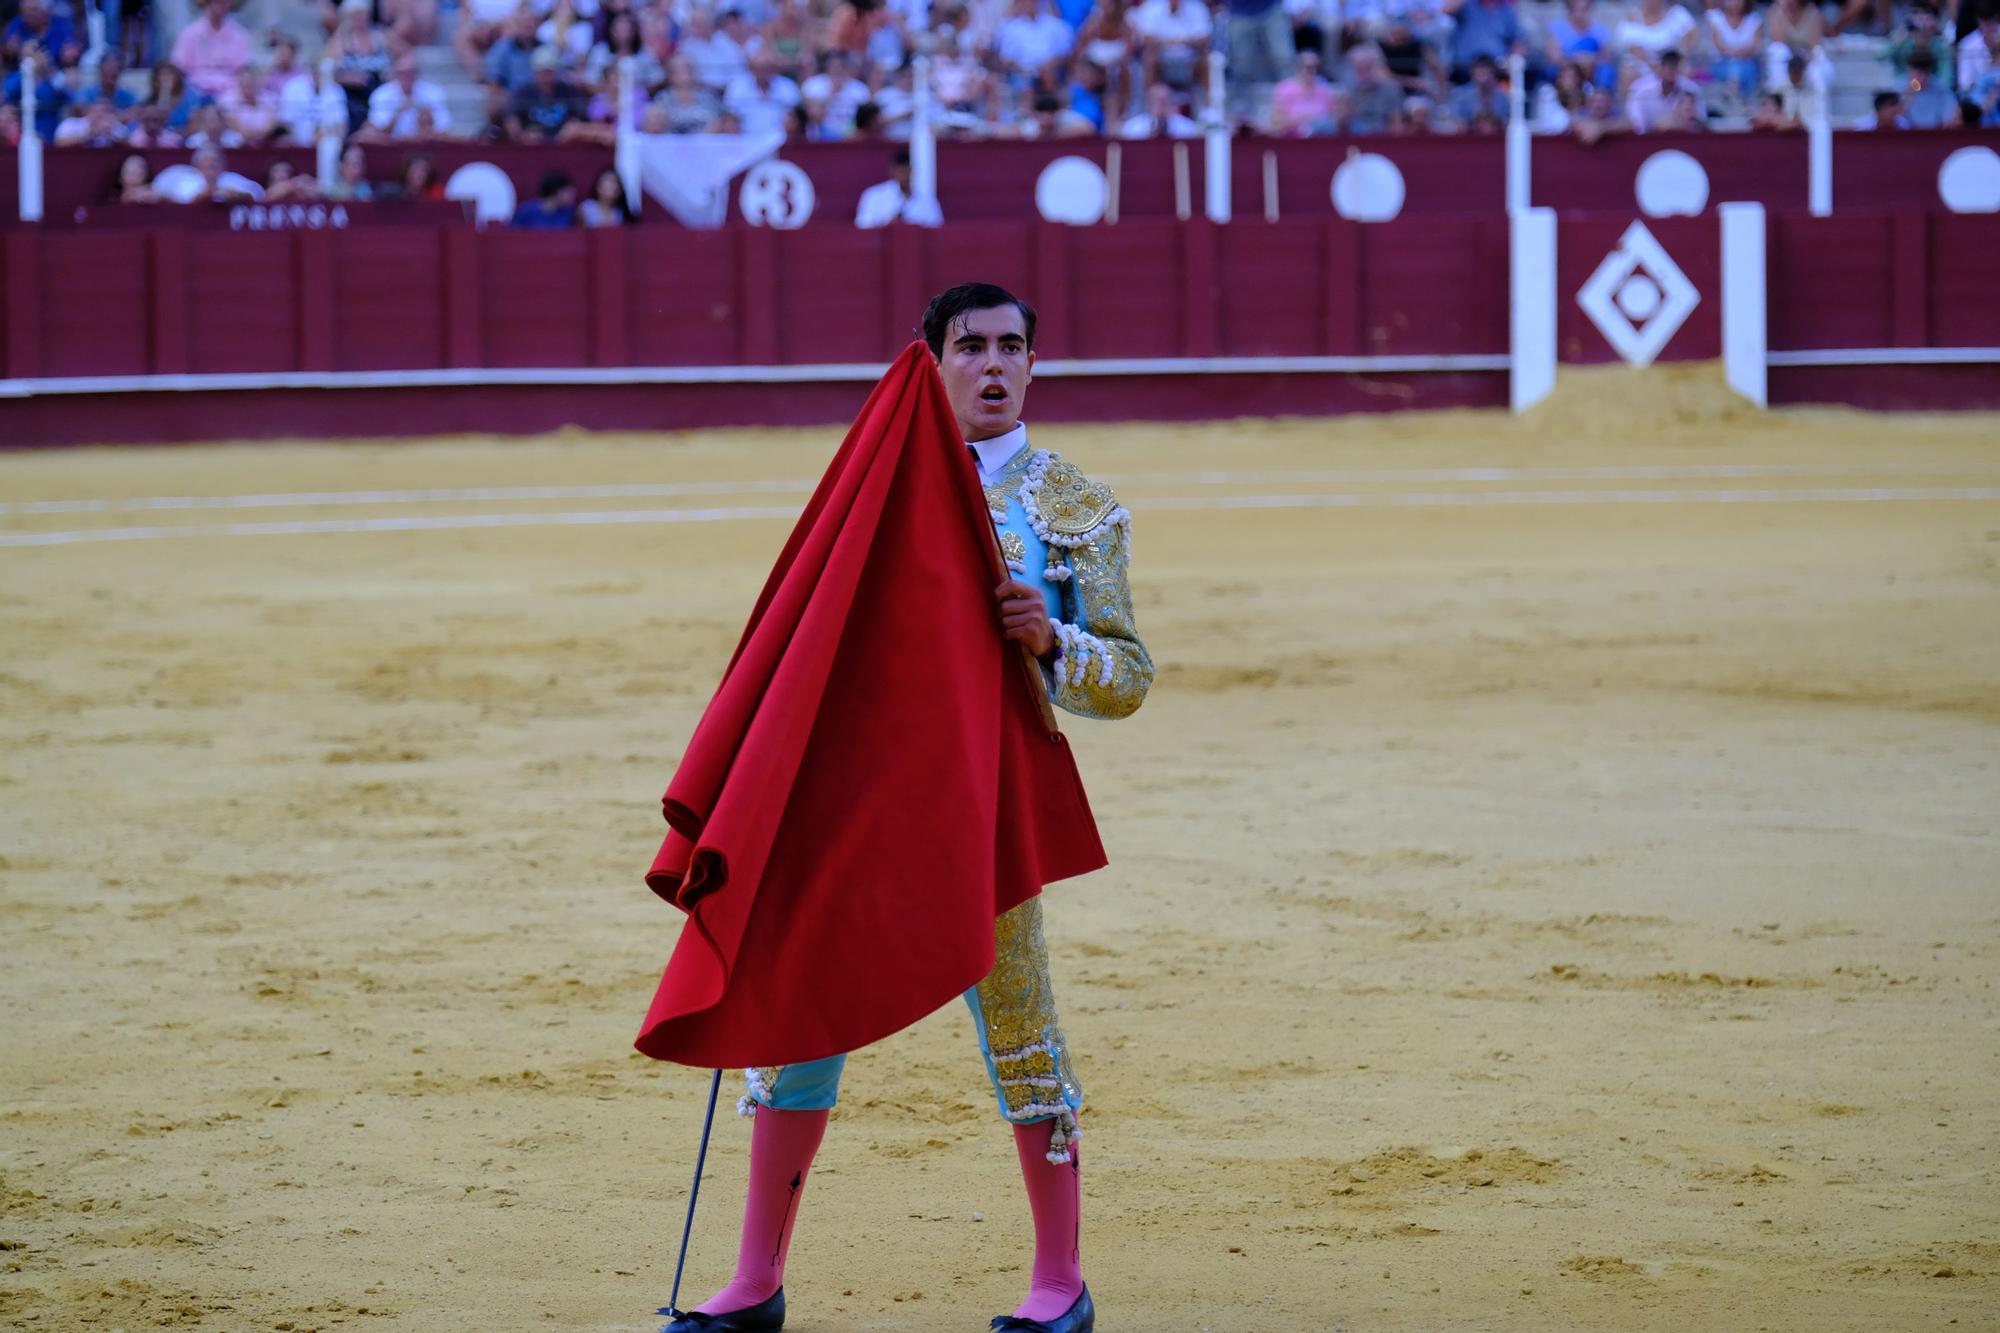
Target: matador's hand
(1024, 617)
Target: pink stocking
(1055, 1197)
(782, 1144)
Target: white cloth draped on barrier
(690, 173)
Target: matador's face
(986, 367)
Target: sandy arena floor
(1559, 897)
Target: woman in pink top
(1303, 99)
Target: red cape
(878, 776)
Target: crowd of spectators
(840, 69)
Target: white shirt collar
(996, 453)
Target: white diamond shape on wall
(1638, 298)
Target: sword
(673, 1307)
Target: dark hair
(1047, 102)
(412, 162)
(1886, 99)
(1670, 56)
(948, 307)
(900, 158)
(554, 183)
(1922, 59)
(866, 117)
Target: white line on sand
(1339, 476)
(1339, 500)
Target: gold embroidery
(996, 499)
(1018, 1001)
(1071, 503)
(1014, 548)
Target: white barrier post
(1744, 354)
(326, 155)
(1517, 134)
(30, 152)
(1819, 155)
(1216, 185)
(1531, 306)
(625, 146)
(923, 139)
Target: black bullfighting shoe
(1079, 1318)
(764, 1317)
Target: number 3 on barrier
(776, 194)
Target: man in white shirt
(1656, 100)
(395, 107)
(1162, 116)
(837, 92)
(1979, 51)
(762, 99)
(717, 58)
(891, 201)
(1032, 39)
(1173, 39)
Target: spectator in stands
(549, 108)
(208, 128)
(623, 39)
(51, 93)
(10, 126)
(481, 23)
(865, 29)
(553, 208)
(606, 206)
(794, 36)
(1600, 118)
(1173, 38)
(1559, 101)
(1736, 32)
(1979, 52)
(1923, 30)
(395, 108)
(1796, 31)
(418, 180)
(1339, 117)
(284, 66)
(510, 61)
(1259, 33)
(1376, 98)
(1031, 44)
(1655, 100)
(1104, 48)
(90, 125)
(716, 58)
(212, 48)
(1773, 114)
(284, 183)
(248, 108)
(1416, 118)
(1800, 78)
(891, 202)
(350, 177)
(1929, 104)
(170, 92)
(39, 27)
(1985, 99)
(836, 92)
(135, 182)
(105, 87)
(689, 107)
(1575, 36)
(361, 59)
(219, 185)
(1050, 118)
(1488, 28)
(1657, 28)
(761, 99)
(566, 33)
(1417, 66)
(1481, 96)
(1302, 100)
(1161, 117)
(411, 23)
(1887, 115)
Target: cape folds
(877, 777)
